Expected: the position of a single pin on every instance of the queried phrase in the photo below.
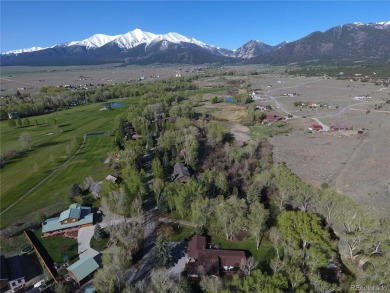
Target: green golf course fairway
(51, 148)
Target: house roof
(339, 126)
(211, 259)
(111, 178)
(15, 268)
(3, 268)
(95, 187)
(83, 267)
(230, 258)
(54, 224)
(196, 244)
(180, 171)
(74, 211)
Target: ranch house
(214, 262)
(69, 222)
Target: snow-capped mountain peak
(27, 50)
(95, 41)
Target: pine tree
(98, 232)
(75, 190)
(163, 254)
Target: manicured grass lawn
(181, 233)
(89, 162)
(263, 255)
(49, 151)
(58, 247)
(262, 130)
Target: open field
(33, 78)
(49, 152)
(353, 164)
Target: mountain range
(345, 43)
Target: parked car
(39, 284)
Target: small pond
(115, 105)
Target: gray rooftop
(83, 267)
(180, 171)
(15, 267)
(54, 224)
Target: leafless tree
(26, 141)
(247, 265)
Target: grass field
(25, 171)
(181, 233)
(269, 131)
(58, 247)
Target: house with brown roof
(212, 262)
(272, 118)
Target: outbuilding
(82, 268)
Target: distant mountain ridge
(346, 42)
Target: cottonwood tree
(231, 215)
(257, 219)
(104, 279)
(157, 169)
(135, 180)
(26, 141)
(258, 282)
(128, 233)
(215, 134)
(136, 210)
(211, 284)
(247, 265)
(221, 182)
(160, 282)
(119, 202)
(157, 187)
(200, 211)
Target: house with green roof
(82, 268)
(69, 221)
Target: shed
(82, 268)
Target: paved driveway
(84, 238)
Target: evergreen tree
(75, 190)
(98, 233)
(163, 254)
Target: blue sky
(227, 24)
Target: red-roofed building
(316, 127)
(339, 127)
(211, 261)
